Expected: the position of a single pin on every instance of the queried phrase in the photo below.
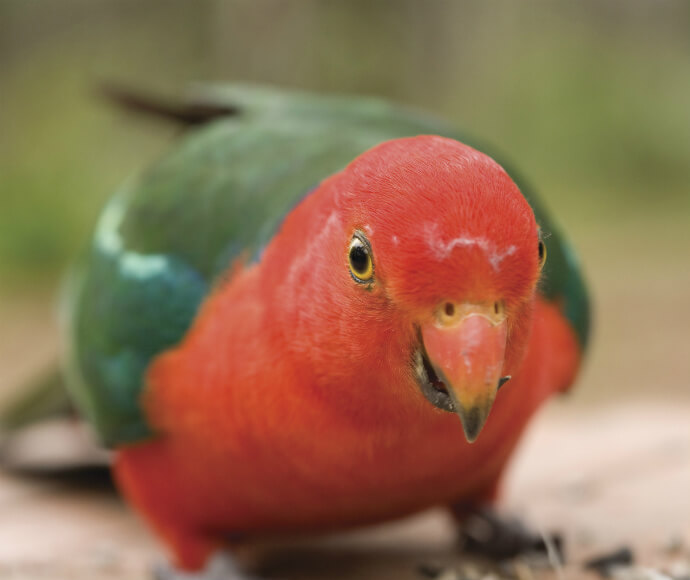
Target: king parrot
(299, 320)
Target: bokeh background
(590, 99)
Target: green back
(224, 189)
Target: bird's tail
(189, 112)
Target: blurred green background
(589, 99)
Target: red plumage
(292, 404)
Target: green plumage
(221, 192)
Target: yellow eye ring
(542, 253)
(359, 259)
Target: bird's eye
(542, 253)
(359, 258)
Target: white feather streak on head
(442, 249)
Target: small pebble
(604, 564)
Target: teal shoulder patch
(128, 307)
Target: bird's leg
(222, 566)
(485, 532)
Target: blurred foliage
(591, 100)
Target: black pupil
(359, 259)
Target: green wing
(164, 238)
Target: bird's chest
(332, 473)
(399, 464)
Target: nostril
(497, 308)
(449, 309)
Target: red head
(412, 272)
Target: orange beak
(465, 346)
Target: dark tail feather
(183, 113)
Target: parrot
(315, 313)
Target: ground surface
(605, 478)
